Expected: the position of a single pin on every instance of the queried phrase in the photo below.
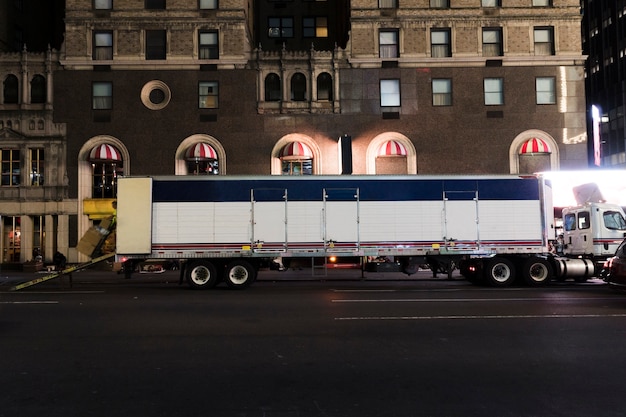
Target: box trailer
(223, 228)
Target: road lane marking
(29, 302)
(499, 317)
(464, 300)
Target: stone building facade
(151, 87)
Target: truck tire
(239, 274)
(500, 272)
(201, 275)
(537, 271)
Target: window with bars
(102, 96)
(208, 94)
(388, 44)
(494, 91)
(36, 166)
(442, 92)
(492, 42)
(546, 90)
(11, 172)
(103, 45)
(208, 44)
(440, 43)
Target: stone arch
(276, 168)
(377, 142)
(520, 139)
(180, 167)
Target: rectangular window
(388, 44)
(36, 166)
(492, 42)
(389, 93)
(542, 3)
(103, 4)
(207, 4)
(155, 44)
(280, 27)
(208, 94)
(546, 90)
(442, 92)
(439, 4)
(387, 4)
(103, 45)
(208, 45)
(315, 27)
(155, 4)
(494, 91)
(440, 43)
(10, 167)
(491, 3)
(544, 41)
(102, 96)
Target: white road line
(464, 300)
(29, 302)
(498, 317)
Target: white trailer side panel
(510, 220)
(402, 221)
(134, 215)
(305, 221)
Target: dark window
(155, 44)
(36, 166)
(325, 87)
(298, 87)
(10, 167)
(105, 178)
(315, 27)
(11, 90)
(102, 96)
(38, 89)
(280, 27)
(155, 4)
(272, 88)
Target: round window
(155, 95)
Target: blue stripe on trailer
(371, 188)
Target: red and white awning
(534, 145)
(296, 150)
(201, 152)
(105, 153)
(392, 148)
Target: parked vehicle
(615, 269)
(494, 228)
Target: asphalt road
(285, 347)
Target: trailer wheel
(239, 274)
(537, 271)
(500, 272)
(201, 275)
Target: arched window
(298, 87)
(272, 87)
(38, 89)
(202, 160)
(11, 90)
(296, 159)
(106, 163)
(325, 87)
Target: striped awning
(392, 148)
(296, 150)
(201, 152)
(534, 145)
(105, 153)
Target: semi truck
(494, 229)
